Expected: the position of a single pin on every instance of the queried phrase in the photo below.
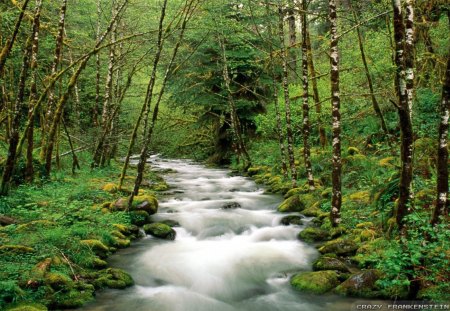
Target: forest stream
(230, 252)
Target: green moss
(353, 151)
(329, 263)
(57, 280)
(312, 234)
(318, 282)
(113, 278)
(362, 284)
(15, 249)
(97, 247)
(291, 220)
(120, 243)
(139, 218)
(145, 202)
(28, 307)
(340, 247)
(110, 187)
(312, 211)
(160, 230)
(292, 204)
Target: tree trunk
(336, 200)
(62, 101)
(145, 110)
(15, 120)
(97, 68)
(376, 106)
(280, 132)
(29, 171)
(317, 103)
(404, 78)
(10, 42)
(441, 208)
(292, 50)
(287, 101)
(306, 125)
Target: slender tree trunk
(306, 123)
(287, 101)
(6, 50)
(64, 98)
(15, 120)
(97, 68)
(29, 171)
(75, 163)
(280, 132)
(292, 50)
(188, 11)
(235, 123)
(316, 97)
(376, 106)
(404, 77)
(145, 110)
(336, 178)
(441, 208)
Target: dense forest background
(345, 101)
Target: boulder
(292, 204)
(170, 222)
(112, 278)
(160, 230)
(360, 284)
(341, 247)
(318, 282)
(231, 205)
(6, 221)
(291, 220)
(147, 203)
(110, 187)
(330, 263)
(119, 205)
(312, 211)
(58, 281)
(139, 218)
(312, 234)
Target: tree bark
(287, 101)
(292, 50)
(29, 171)
(441, 208)
(97, 68)
(376, 106)
(316, 97)
(336, 200)
(306, 123)
(6, 50)
(404, 78)
(15, 120)
(145, 110)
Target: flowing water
(223, 259)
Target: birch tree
(336, 177)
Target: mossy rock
(387, 162)
(147, 203)
(118, 234)
(342, 247)
(361, 285)
(292, 204)
(312, 234)
(312, 211)
(170, 222)
(120, 243)
(139, 218)
(71, 299)
(330, 263)
(291, 220)
(318, 282)
(160, 230)
(295, 191)
(97, 247)
(373, 247)
(35, 224)
(252, 171)
(120, 204)
(98, 263)
(15, 249)
(58, 281)
(353, 151)
(113, 278)
(110, 187)
(28, 307)
(160, 186)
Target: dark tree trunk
(441, 208)
(306, 123)
(336, 200)
(287, 101)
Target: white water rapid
(223, 259)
